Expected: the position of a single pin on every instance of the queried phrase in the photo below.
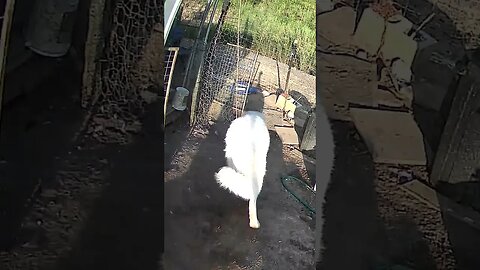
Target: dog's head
(255, 102)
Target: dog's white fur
(325, 160)
(247, 143)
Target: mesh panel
(228, 71)
(132, 64)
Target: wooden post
(200, 58)
(93, 48)
(6, 25)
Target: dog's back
(247, 142)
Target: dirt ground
(209, 226)
(369, 219)
(376, 225)
(67, 202)
(371, 223)
(83, 205)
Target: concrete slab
(336, 27)
(391, 137)
(287, 135)
(398, 45)
(369, 31)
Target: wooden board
(288, 135)
(392, 137)
(437, 201)
(457, 159)
(270, 101)
(92, 52)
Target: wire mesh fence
(132, 65)
(270, 27)
(226, 81)
(228, 71)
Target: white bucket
(179, 100)
(401, 71)
(50, 29)
(401, 23)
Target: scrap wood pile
(367, 77)
(366, 73)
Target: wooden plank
(270, 101)
(457, 157)
(392, 137)
(287, 135)
(93, 48)
(6, 26)
(197, 66)
(439, 202)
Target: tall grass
(270, 26)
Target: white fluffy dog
(247, 143)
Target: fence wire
(229, 68)
(132, 66)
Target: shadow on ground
(36, 129)
(209, 225)
(355, 235)
(96, 206)
(353, 186)
(124, 230)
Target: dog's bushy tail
(235, 182)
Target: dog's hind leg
(252, 213)
(252, 204)
(257, 183)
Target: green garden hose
(298, 198)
